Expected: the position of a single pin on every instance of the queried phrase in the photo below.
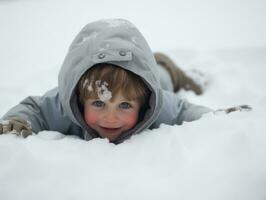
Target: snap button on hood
(122, 53)
(101, 55)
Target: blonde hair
(131, 86)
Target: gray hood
(115, 41)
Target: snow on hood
(116, 41)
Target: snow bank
(217, 157)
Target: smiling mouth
(110, 129)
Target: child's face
(110, 119)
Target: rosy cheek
(91, 117)
(131, 120)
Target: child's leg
(177, 77)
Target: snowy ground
(217, 157)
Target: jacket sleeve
(43, 112)
(176, 111)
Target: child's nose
(111, 116)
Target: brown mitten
(233, 109)
(16, 126)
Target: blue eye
(125, 105)
(98, 103)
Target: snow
(102, 91)
(91, 36)
(88, 84)
(113, 23)
(190, 161)
(218, 157)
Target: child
(111, 86)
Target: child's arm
(176, 110)
(43, 113)
(188, 112)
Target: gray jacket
(114, 41)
